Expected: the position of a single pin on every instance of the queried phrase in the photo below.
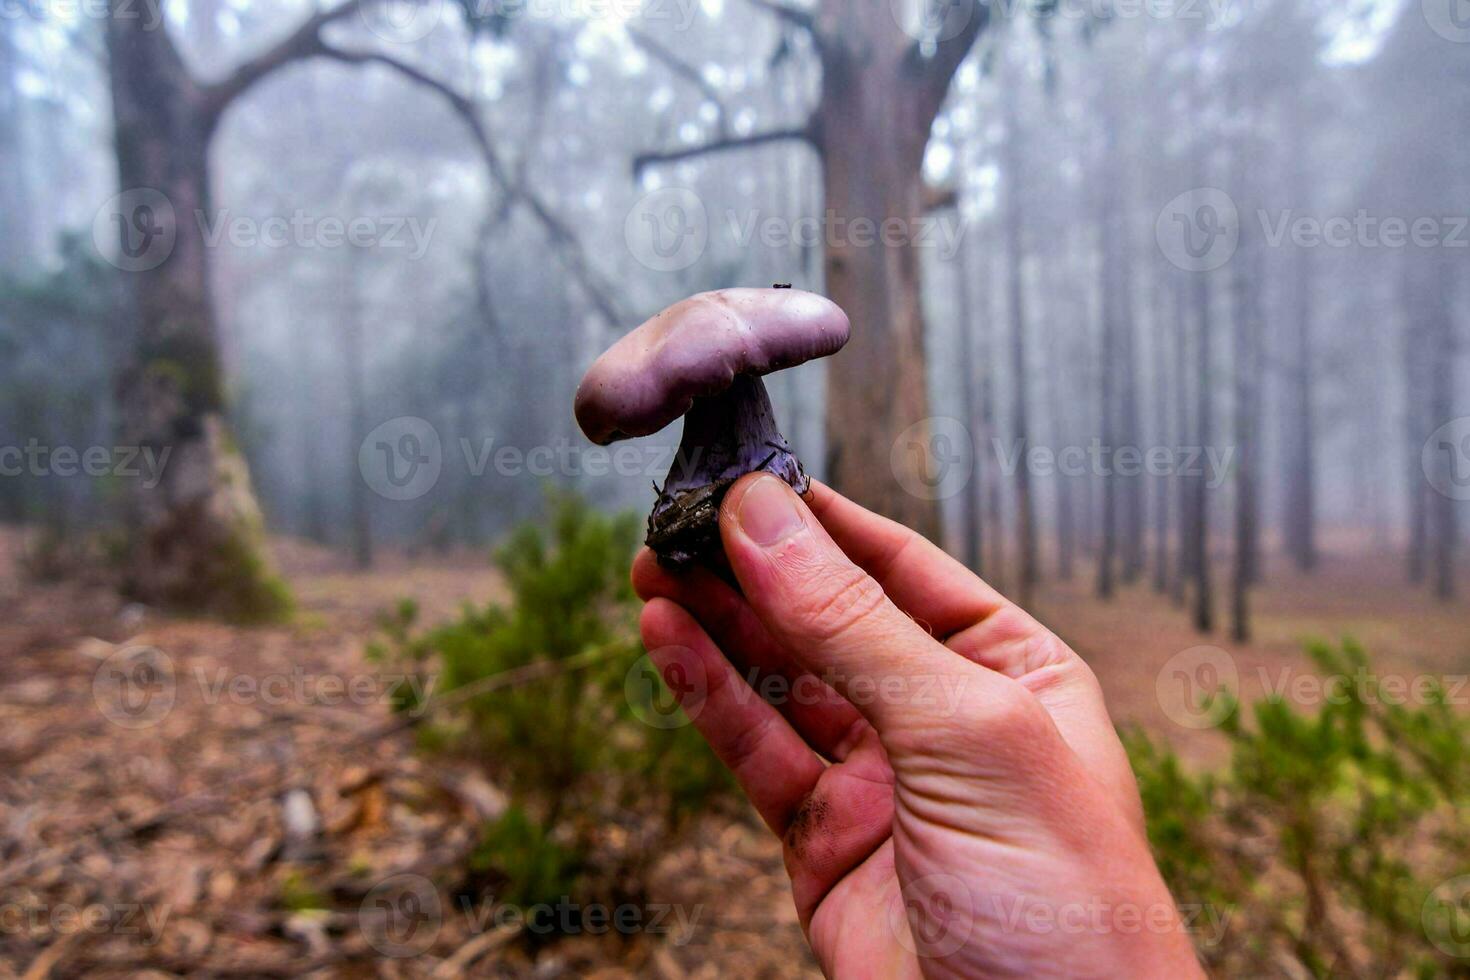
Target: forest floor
(243, 825)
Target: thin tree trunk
(353, 371)
(1057, 397)
(1439, 296)
(1204, 605)
(1246, 369)
(990, 473)
(1130, 487)
(1184, 538)
(1107, 410)
(1166, 436)
(973, 550)
(1026, 565)
(1301, 485)
(1414, 424)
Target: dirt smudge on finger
(807, 823)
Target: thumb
(832, 616)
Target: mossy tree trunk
(196, 537)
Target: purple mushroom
(703, 358)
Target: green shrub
(597, 792)
(1325, 838)
(535, 868)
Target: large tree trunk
(881, 91)
(197, 537)
(873, 142)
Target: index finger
(920, 577)
(832, 617)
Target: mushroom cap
(696, 348)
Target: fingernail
(768, 513)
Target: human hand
(950, 792)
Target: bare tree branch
(795, 16)
(306, 42)
(303, 42)
(684, 70)
(939, 198)
(935, 70)
(564, 242)
(805, 133)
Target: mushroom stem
(725, 436)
